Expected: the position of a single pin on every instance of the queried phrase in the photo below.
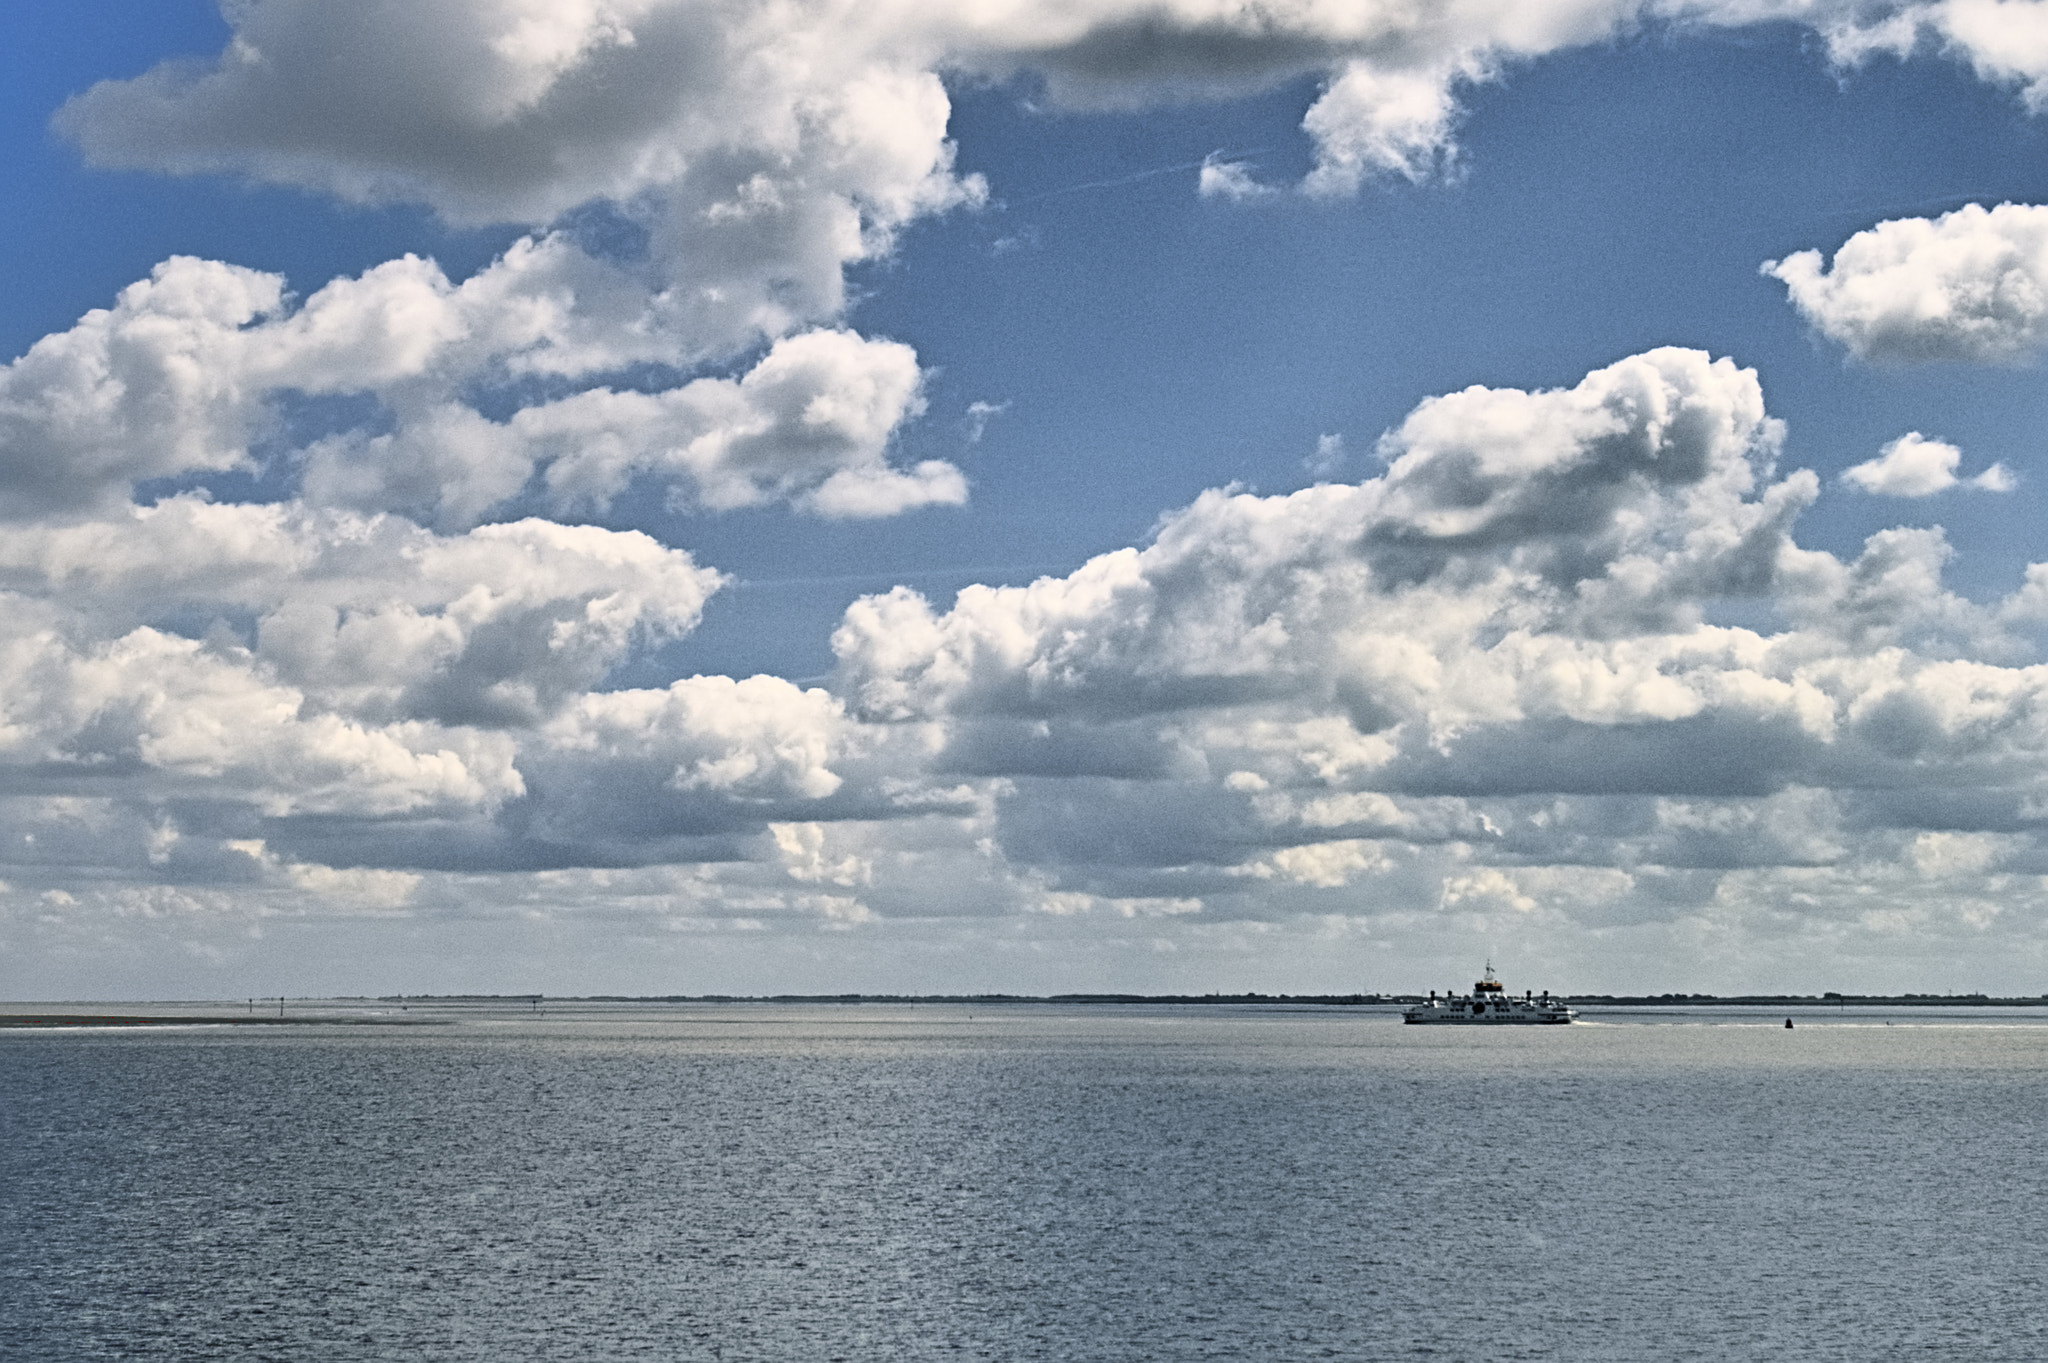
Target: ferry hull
(1444, 1017)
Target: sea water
(1028, 1182)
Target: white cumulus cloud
(770, 148)
(184, 374)
(1233, 180)
(1914, 466)
(1372, 121)
(1466, 677)
(1970, 285)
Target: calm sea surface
(1028, 1182)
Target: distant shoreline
(319, 1011)
(1318, 1000)
(79, 1020)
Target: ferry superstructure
(1489, 1005)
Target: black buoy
(1788, 1024)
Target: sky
(710, 496)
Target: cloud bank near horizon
(1488, 681)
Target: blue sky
(468, 644)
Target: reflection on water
(1026, 1182)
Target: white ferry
(1489, 1005)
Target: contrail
(1120, 180)
(886, 575)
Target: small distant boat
(1489, 1005)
